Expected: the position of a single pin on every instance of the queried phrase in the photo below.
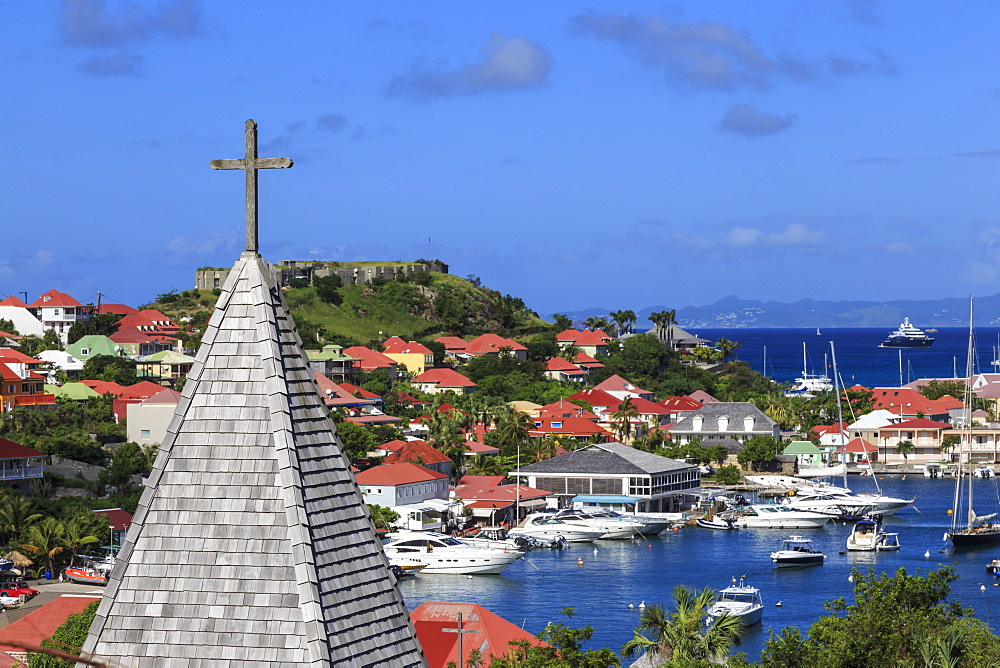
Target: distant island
(733, 312)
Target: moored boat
(718, 523)
(547, 526)
(796, 551)
(776, 516)
(865, 536)
(738, 600)
(444, 554)
(84, 575)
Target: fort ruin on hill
(350, 273)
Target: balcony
(15, 471)
(34, 399)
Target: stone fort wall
(350, 274)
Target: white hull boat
(443, 554)
(796, 552)
(776, 516)
(613, 528)
(738, 601)
(544, 525)
(866, 536)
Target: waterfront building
(924, 434)
(614, 474)
(496, 499)
(418, 494)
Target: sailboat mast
(840, 412)
(805, 368)
(900, 351)
(967, 399)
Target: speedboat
(498, 539)
(776, 516)
(719, 523)
(907, 336)
(839, 507)
(890, 542)
(880, 503)
(444, 554)
(865, 536)
(797, 551)
(85, 575)
(994, 568)
(738, 601)
(613, 527)
(547, 526)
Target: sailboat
(810, 384)
(979, 531)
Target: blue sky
(613, 154)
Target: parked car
(17, 588)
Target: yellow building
(416, 357)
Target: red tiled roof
(13, 301)
(397, 474)
(359, 391)
(444, 377)
(54, 298)
(587, 337)
(572, 426)
(492, 488)
(417, 450)
(142, 389)
(477, 448)
(39, 624)
(675, 404)
(703, 397)
(492, 637)
(404, 398)
(491, 343)
(12, 450)
(910, 401)
(369, 359)
(859, 445)
(7, 373)
(401, 347)
(165, 396)
(148, 320)
(452, 343)
(118, 519)
(585, 360)
(915, 423)
(16, 356)
(115, 309)
(618, 384)
(393, 446)
(563, 366)
(646, 407)
(564, 408)
(132, 335)
(373, 419)
(595, 397)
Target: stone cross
(460, 631)
(251, 163)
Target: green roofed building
(74, 391)
(93, 345)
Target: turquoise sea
(534, 590)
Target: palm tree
(629, 320)
(512, 429)
(47, 538)
(543, 448)
(621, 320)
(77, 536)
(593, 322)
(727, 347)
(622, 418)
(149, 452)
(904, 448)
(485, 465)
(682, 636)
(15, 516)
(659, 320)
(670, 318)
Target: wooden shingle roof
(251, 544)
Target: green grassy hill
(424, 307)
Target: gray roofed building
(614, 474)
(736, 420)
(251, 543)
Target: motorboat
(718, 523)
(546, 526)
(838, 507)
(994, 568)
(935, 470)
(85, 575)
(777, 516)
(648, 526)
(797, 551)
(866, 536)
(907, 336)
(444, 554)
(890, 542)
(881, 504)
(738, 600)
(614, 528)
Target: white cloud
(740, 237)
(506, 64)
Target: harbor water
(533, 591)
(859, 358)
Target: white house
(419, 495)
(146, 421)
(58, 311)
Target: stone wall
(209, 279)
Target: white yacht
(648, 526)
(738, 601)
(547, 526)
(777, 516)
(613, 527)
(444, 554)
(810, 384)
(882, 504)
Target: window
(144, 434)
(84, 351)
(557, 425)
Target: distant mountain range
(733, 312)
